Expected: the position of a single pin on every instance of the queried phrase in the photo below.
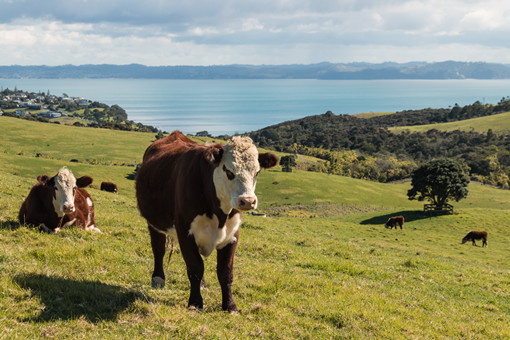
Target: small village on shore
(66, 110)
(40, 104)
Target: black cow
(109, 186)
(476, 235)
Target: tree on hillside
(439, 181)
(117, 113)
(287, 162)
(203, 134)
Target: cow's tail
(169, 243)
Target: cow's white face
(236, 176)
(65, 189)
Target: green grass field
(498, 123)
(320, 265)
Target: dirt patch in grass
(317, 210)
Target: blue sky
(218, 32)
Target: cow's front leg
(225, 271)
(195, 269)
(158, 243)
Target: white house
(50, 114)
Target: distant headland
(333, 71)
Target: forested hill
(411, 70)
(328, 136)
(336, 132)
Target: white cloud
(199, 32)
(485, 19)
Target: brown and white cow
(59, 201)
(476, 235)
(109, 186)
(196, 193)
(394, 222)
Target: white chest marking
(172, 233)
(209, 236)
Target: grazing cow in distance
(394, 221)
(109, 186)
(196, 193)
(476, 235)
(59, 201)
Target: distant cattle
(196, 193)
(59, 201)
(394, 222)
(476, 235)
(109, 186)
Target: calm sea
(230, 106)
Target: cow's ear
(50, 181)
(217, 154)
(43, 179)
(83, 181)
(267, 160)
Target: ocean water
(235, 106)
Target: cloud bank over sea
(59, 32)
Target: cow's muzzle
(246, 203)
(68, 208)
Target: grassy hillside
(371, 114)
(320, 265)
(498, 123)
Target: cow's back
(174, 143)
(174, 177)
(37, 208)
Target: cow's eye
(230, 174)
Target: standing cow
(59, 201)
(196, 193)
(109, 186)
(476, 235)
(394, 222)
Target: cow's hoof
(230, 307)
(158, 282)
(195, 308)
(94, 229)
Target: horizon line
(261, 65)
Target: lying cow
(394, 222)
(476, 235)
(196, 193)
(59, 201)
(109, 186)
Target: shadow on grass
(14, 225)
(409, 216)
(65, 299)
(9, 225)
(132, 176)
